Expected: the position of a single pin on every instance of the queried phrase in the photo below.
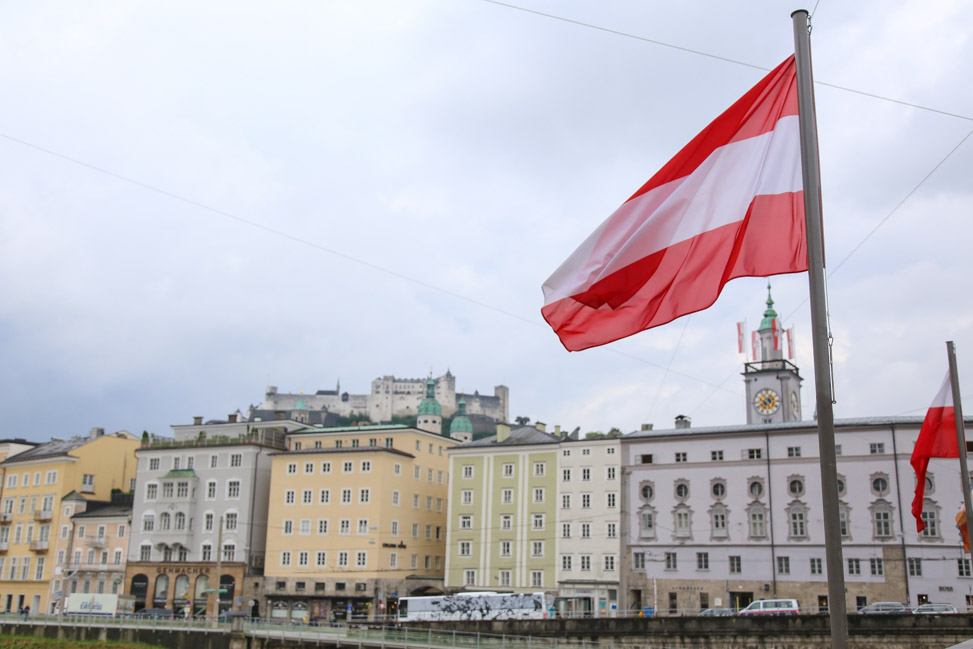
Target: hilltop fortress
(389, 397)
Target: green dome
(429, 405)
(461, 423)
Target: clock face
(795, 405)
(766, 402)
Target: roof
(518, 437)
(99, 509)
(350, 429)
(180, 473)
(855, 422)
(53, 448)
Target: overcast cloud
(460, 145)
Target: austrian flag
(937, 438)
(729, 205)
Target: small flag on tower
(790, 343)
(753, 345)
(740, 338)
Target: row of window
(505, 577)
(583, 562)
(538, 496)
(304, 558)
(180, 489)
(181, 553)
(881, 514)
(179, 521)
(50, 477)
(18, 568)
(307, 526)
(187, 463)
(679, 457)
(93, 557)
(43, 534)
(372, 443)
(874, 566)
(46, 503)
(879, 483)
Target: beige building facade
(357, 518)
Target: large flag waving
(937, 438)
(729, 204)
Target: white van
(772, 607)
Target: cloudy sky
(201, 199)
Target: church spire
(769, 314)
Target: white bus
(476, 606)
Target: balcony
(4, 546)
(96, 541)
(43, 515)
(6, 518)
(39, 546)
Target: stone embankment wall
(796, 632)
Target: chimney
(197, 421)
(646, 426)
(96, 432)
(231, 418)
(541, 426)
(503, 432)
(682, 421)
(557, 429)
(279, 415)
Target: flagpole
(819, 331)
(960, 436)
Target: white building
(201, 495)
(723, 515)
(589, 525)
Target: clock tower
(773, 384)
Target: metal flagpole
(960, 437)
(819, 330)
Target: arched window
(180, 521)
(882, 525)
(161, 591)
(757, 517)
(719, 517)
(647, 523)
(797, 521)
(164, 521)
(682, 522)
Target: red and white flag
(753, 346)
(790, 343)
(937, 438)
(740, 338)
(775, 330)
(730, 204)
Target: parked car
(934, 609)
(772, 607)
(884, 608)
(156, 613)
(716, 612)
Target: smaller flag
(937, 438)
(753, 345)
(790, 343)
(740, 337)
(775, 330)
(961, 524)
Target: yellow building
(357, 518)
(31, 514)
